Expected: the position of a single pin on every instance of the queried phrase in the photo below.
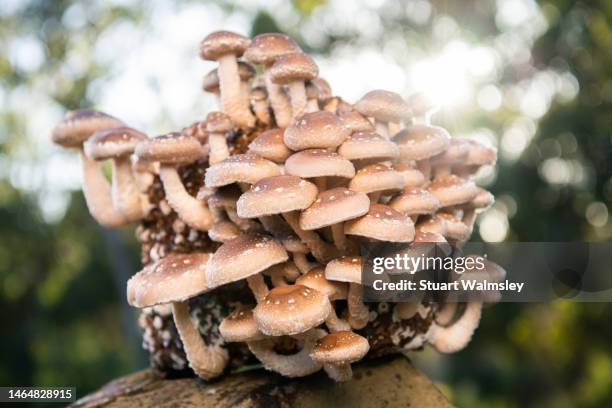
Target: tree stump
(387, 382)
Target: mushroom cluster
(252, 220)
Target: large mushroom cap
(111, 143)
(240, 168)
(175, 278)
(367, 145)
(315, 279)
(334, 206)
(276, 195)
(290, 310)
(316, 130)
(243, 256)
(270, 145)
(376, 177)
(79, 124)
(345, 269)
(319, 163)
(419, 142)
(384, 106)
(173, 148)
(218, 122)
(415, 201)
(453, 190)
(382, 223)
(296, 66)
(240, 326)
(265, 48)
(341, 347)
(220, 43)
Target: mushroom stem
(469, 218)
(192, 211)
(424, 167)
(297, 95)
(261, 111)
(279, 101)
(320, 249)
(299, 259)
(335, 324)
(244, 224)
(339, 237)
(234, 105)
(218, 148)
(124, 190)
(375, 196)
(98, 196)
(381, 128)
(258, 286)
(206, 361)
(321, 183)
(312, 105)
(339, 372)
(456, 336)
(358, 311)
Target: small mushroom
(348, 269)
(270, 145)
(355, 121)
(171, 151)
(385, 107)
(337, 351)
(415, 202)
(293, 70)
(455, 154)
(422, 108)
(382, 223)
(240, 168)
(218, 124)
(316, 130)
(240, 326)
(457, 334)
(225, 47)
(223, 231)
(368, 146)
(375, 180)
(452, 190)
(420, 142)
(260, 103)
(319, 164)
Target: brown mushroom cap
(419, 142)
(456, 152)
(421, 105)
(243, 256)
(455, 228)
(368, 145)
(79, 124)
(218, 122)
(384, 106)
(276, 195)
(210, 82)
(345, 269)
(355, 121)
(376, 177)
(483, 200)
(315, 279)
(412, 177)
(341, 347)
(240, 168)
(223, 231)
(453, 190)
(270, 145)
(220, 43)
(296, 66)
(323, 86)
(480, 155)
(111, 143)
(265, 48)
(319, 163)
(334, 206)
(173, 148)
(290, 310)
(415, 201)
(175, 278)
(428, 237)
(240, 326)
(316, 130)
(382, 223)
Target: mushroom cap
(210, 82)
(323, 87)
(173, 148)
(78, 125)
(382, 223)
(480, 155)
(290, 310)
(345, 269)
(319, 163)
(315, 279)
(415, 201)
(483, 200)
(224, 197)
(421, 105)
(216, 45)
(341, 347)
(453, 190)
(175, 278)
(376, 177)
(270, 145)
(455, 228)
(419, 142)
(412, 177)
(112, 143)
(265, 48)
(240, 326)
(384, 106)
(456, 152)
(243, 256)
(296, 66)
(276, 195)
(318, 130)
(218, 122)
(355, 121)
(433, 224)
(223, 231)
(333, 206)
(240, 168)
(368, 145)
(428, 237)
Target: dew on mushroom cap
(316, 130)
(318, 163)
(113, 142)
(382, 223)
(368, 145)
(270, 145)
(240, 168)
(334, 206)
